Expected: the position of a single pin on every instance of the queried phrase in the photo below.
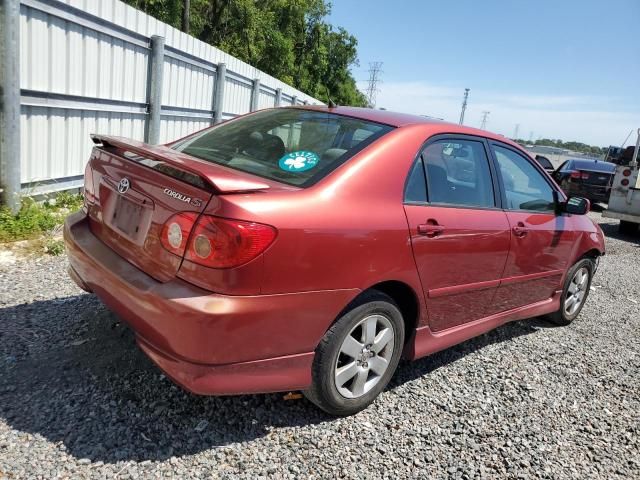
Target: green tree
(289, 39)
(573, 146)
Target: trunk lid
(138, 187)
(595, 177)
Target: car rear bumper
(206, 342)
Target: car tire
(574, 292)
(358, 355)
(628, 228)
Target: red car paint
(254, 328)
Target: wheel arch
(404, 297)
(593, 254)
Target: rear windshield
(290, 145)
(594, 166)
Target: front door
(541, 245)
(460, 239)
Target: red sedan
(310, 248)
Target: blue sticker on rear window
(299, 161)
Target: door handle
(520, 230)
(430, 229)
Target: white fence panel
(84, 68)
(287, 101)
(50, 144)
(174, 127)
(266, 100)
(237, 96)
(187, 86)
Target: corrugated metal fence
(85, 66)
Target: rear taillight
(176, 230)
(89, 193)
(224, 243)
(214, 241)
(579, 174)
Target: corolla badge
(196, 202)
(124, 185)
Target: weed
(54, 247)
(37, 218)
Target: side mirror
(577, 206)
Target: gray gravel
(78, 400)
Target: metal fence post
(255, 95)
(278, 97)
(218, 94)
(10, 103)
(154, 93)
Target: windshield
(290, 145)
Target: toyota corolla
(310, 248)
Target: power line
(464, 105)
(485, 114)
(375, 69)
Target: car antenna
(332, 104)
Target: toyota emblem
(124, 185)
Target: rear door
(541, 243)
(460, 236)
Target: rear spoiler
(219, 178)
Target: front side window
(525, 187)
(458, 173)
(294, 146)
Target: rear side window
(416, 188)
(458, 173)
(525, 187)
(294, 146)
(565, 166)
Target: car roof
(593, 162)
(396, 119)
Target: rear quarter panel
(347, 231)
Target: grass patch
(54, 247)
(37, 218)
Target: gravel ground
(79, 400)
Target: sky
(563, 69)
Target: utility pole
(375, 69)
(464, 105)
(515, 131)
(530, 136)
(10, 104)
(485, 114)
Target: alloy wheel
(364, 356)
(576, 291)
